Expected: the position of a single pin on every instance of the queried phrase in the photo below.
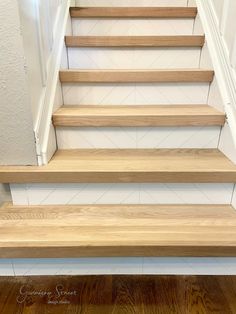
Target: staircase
(138, 170)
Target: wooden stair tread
(136, 76)
(117, 230)
(135, 41)
(133, 115)
(133, 12)
(127, 165)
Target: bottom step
(117, 230)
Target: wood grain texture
(135, 41)
(126, 166)
(117, 230)
(119, 294)
(133, 12)
(136, 76)
(135, 116)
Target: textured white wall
(16, 126)
(28, 18)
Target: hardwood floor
(118, 295)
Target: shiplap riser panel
(135, 94)
(132, 27)
(121, 265)
(49, 194)
(131, 3)
(132, 266)
(144, 137)
(133, 58)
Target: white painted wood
(233, 54)
(133, 58)
(43, 128)
(223, 19)
(225, 12)
(19, 194)
(118, 266)
(51, 194)
(131, 27)
(124, 3)
(225, 74)
(218, 7)
(197, 26)
(135, 94)
(226, 144)
(164, 137)
(215, 99)
(205, 59)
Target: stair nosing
(136, 76)
(129, 116)
(133, 12)
(135, 41)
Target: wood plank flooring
(118, 295)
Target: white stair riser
(46, 194)
(119, 266)
(135, 94)
(131, 27)
(163, 137)
(131, 3)
(132, 58)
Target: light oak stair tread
(117, 230)
(136, 76)
(126, 166)
(133, 12)
(142, 115)
(135, 41)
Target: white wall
(226, 15)
(17, 144)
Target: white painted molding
(41, 43)
(43, 134)
(225, 74)
(233, 54)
